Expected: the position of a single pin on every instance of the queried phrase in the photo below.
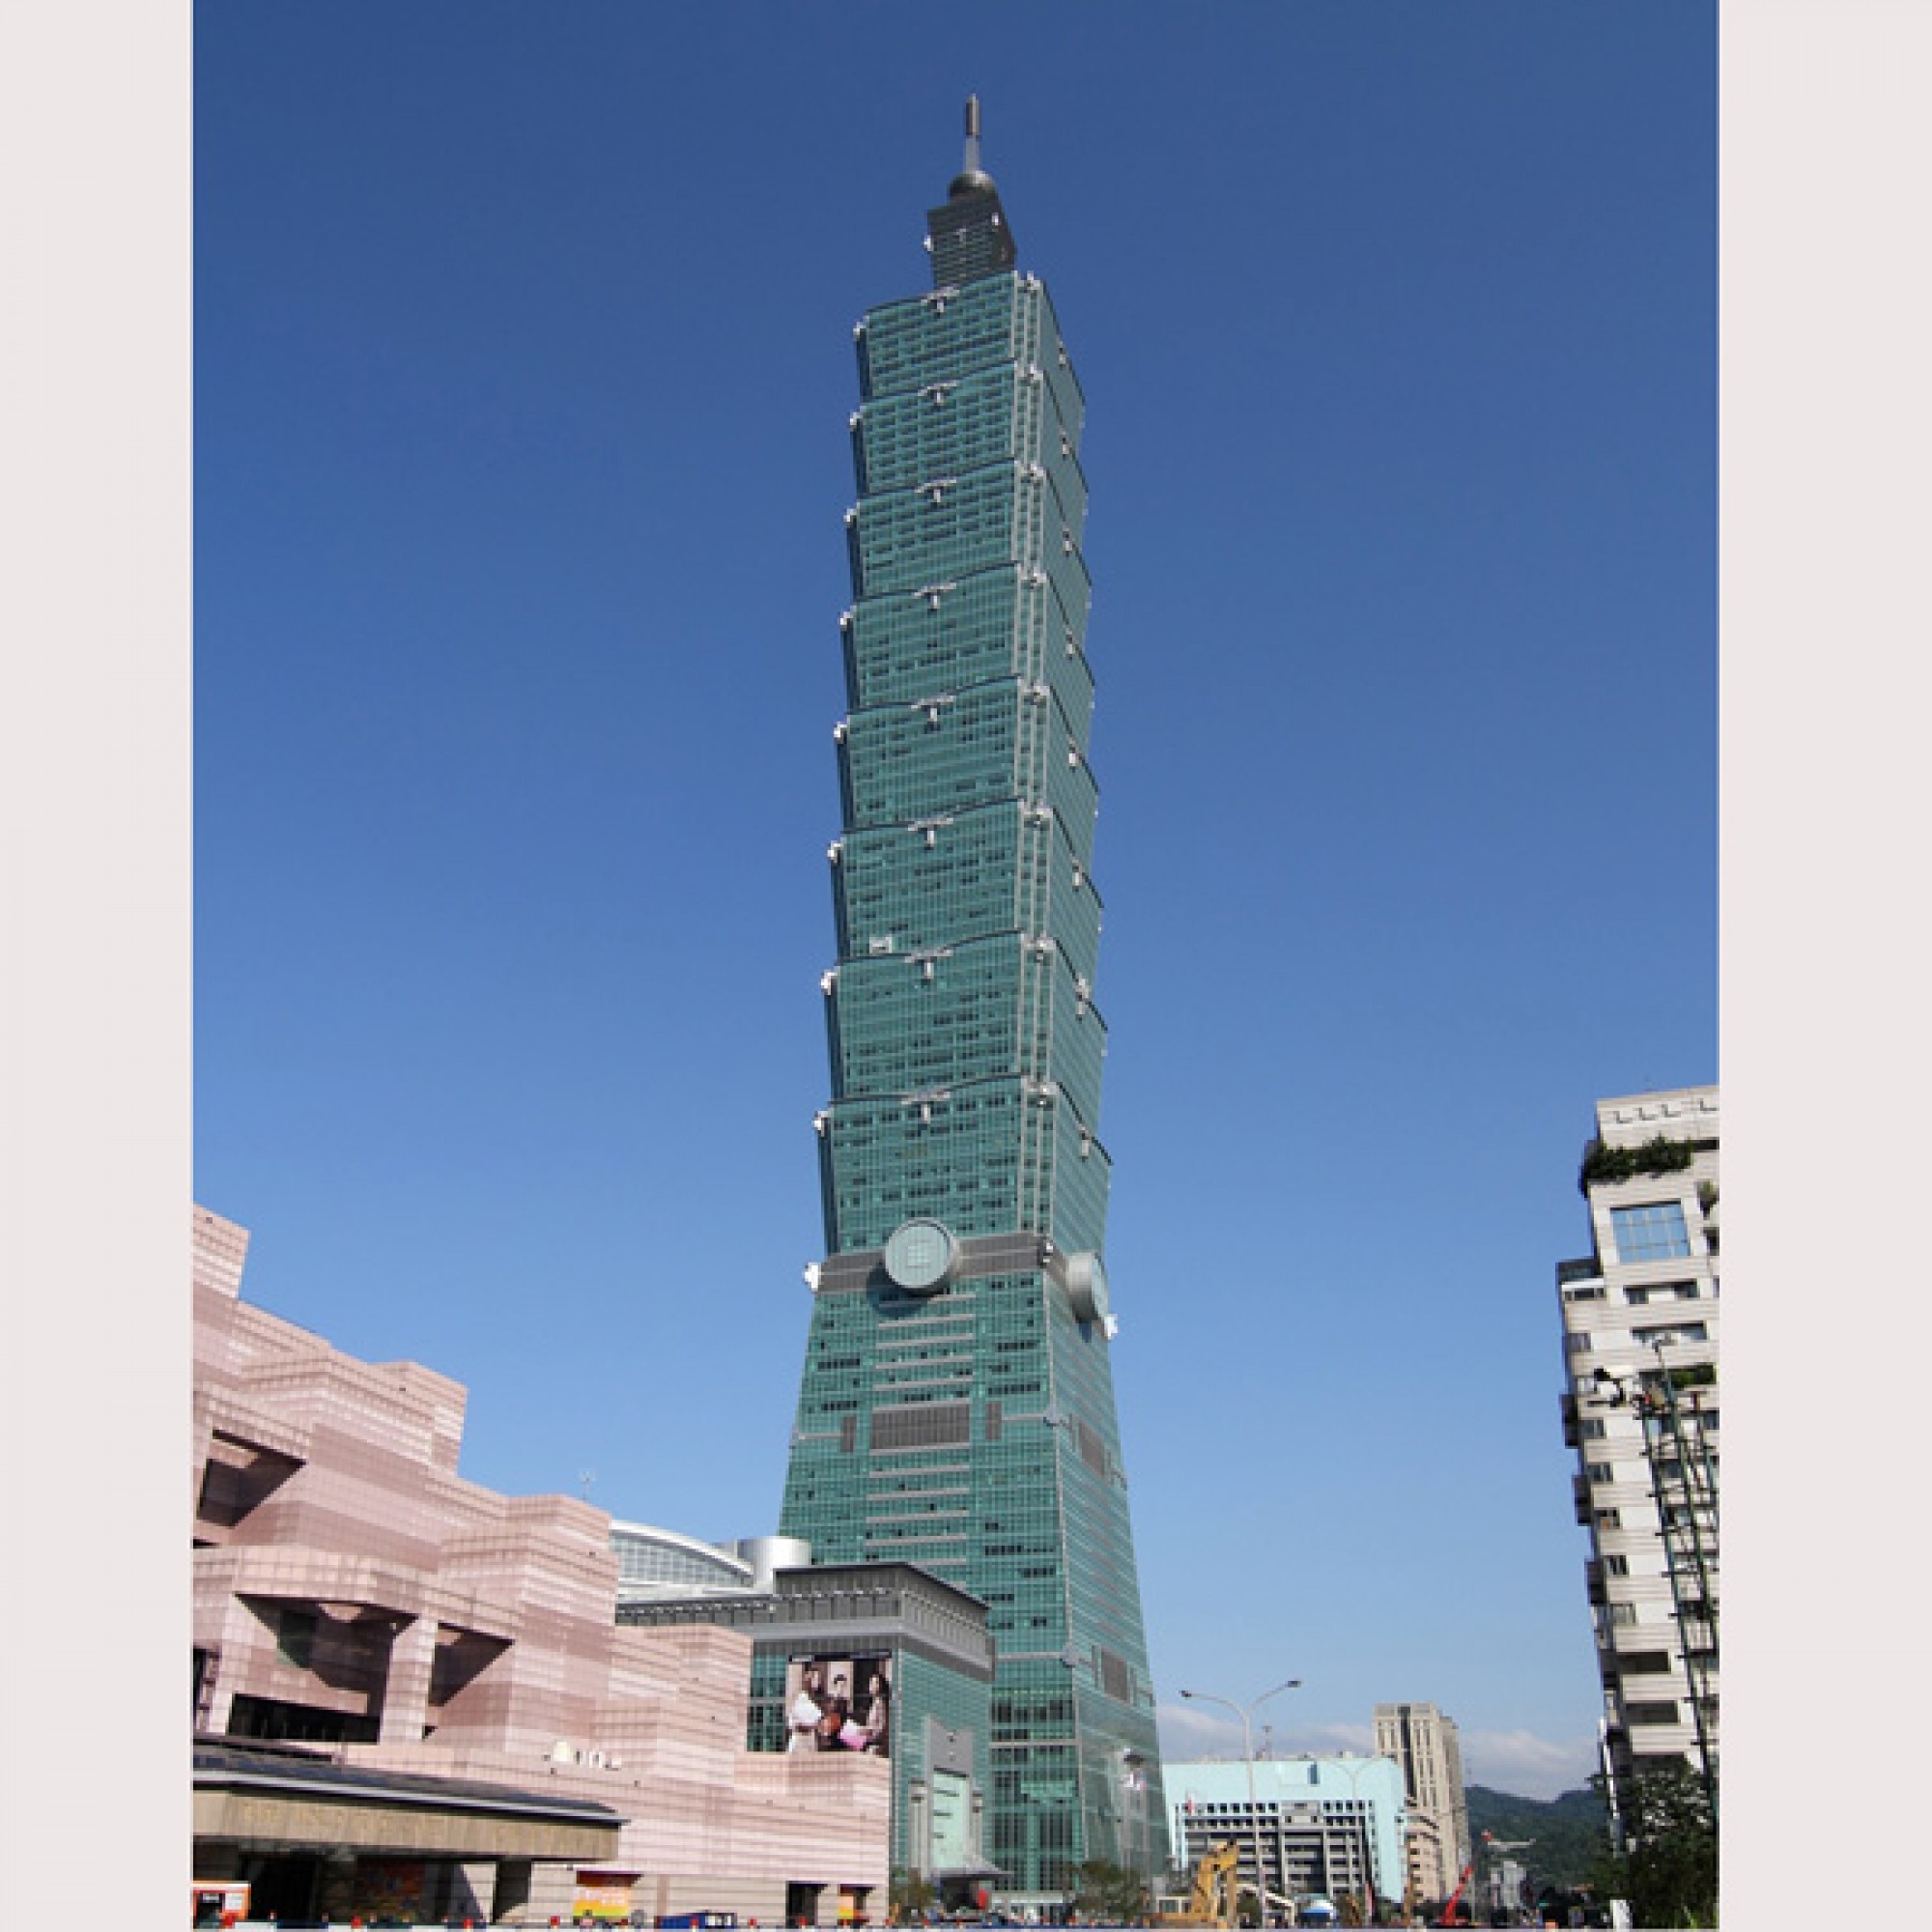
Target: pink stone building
(411, 1695)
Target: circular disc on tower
(1087, 1287)
(921, 1256)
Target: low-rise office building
(654, 1562)
(412, 1696)
(1306, 1825)
(663, 1565)
(884, 1658)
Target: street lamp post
(1246, 1714)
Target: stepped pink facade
(352, 1589)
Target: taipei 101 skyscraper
(958, 1404)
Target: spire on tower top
(969, 236)
(972, 178)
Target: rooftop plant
(1661, 1155)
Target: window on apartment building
(1609, 1518)
(1670, 1334)
(1617, 1566)
(1640, 1663)
(1579, 1345)
(1600, 1473)
(1592, 1429)
(1691, 1515)
(1665, 1291)
(1662, 1712)
(1652, 1231)
(1622, 1613)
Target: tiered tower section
(958, 1405)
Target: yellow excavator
(1214, 1899)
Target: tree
(1669, 1869)
(910, 1894)
(1110, 1893)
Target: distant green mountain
(1568, 1835)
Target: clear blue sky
(523, 367)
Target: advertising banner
(840, 1703)
(604, 1900)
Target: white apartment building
(1430, 1752)
(1640, 1407)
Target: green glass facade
(958, 1404)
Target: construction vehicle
(1214, 1899)
(1218, 1890)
